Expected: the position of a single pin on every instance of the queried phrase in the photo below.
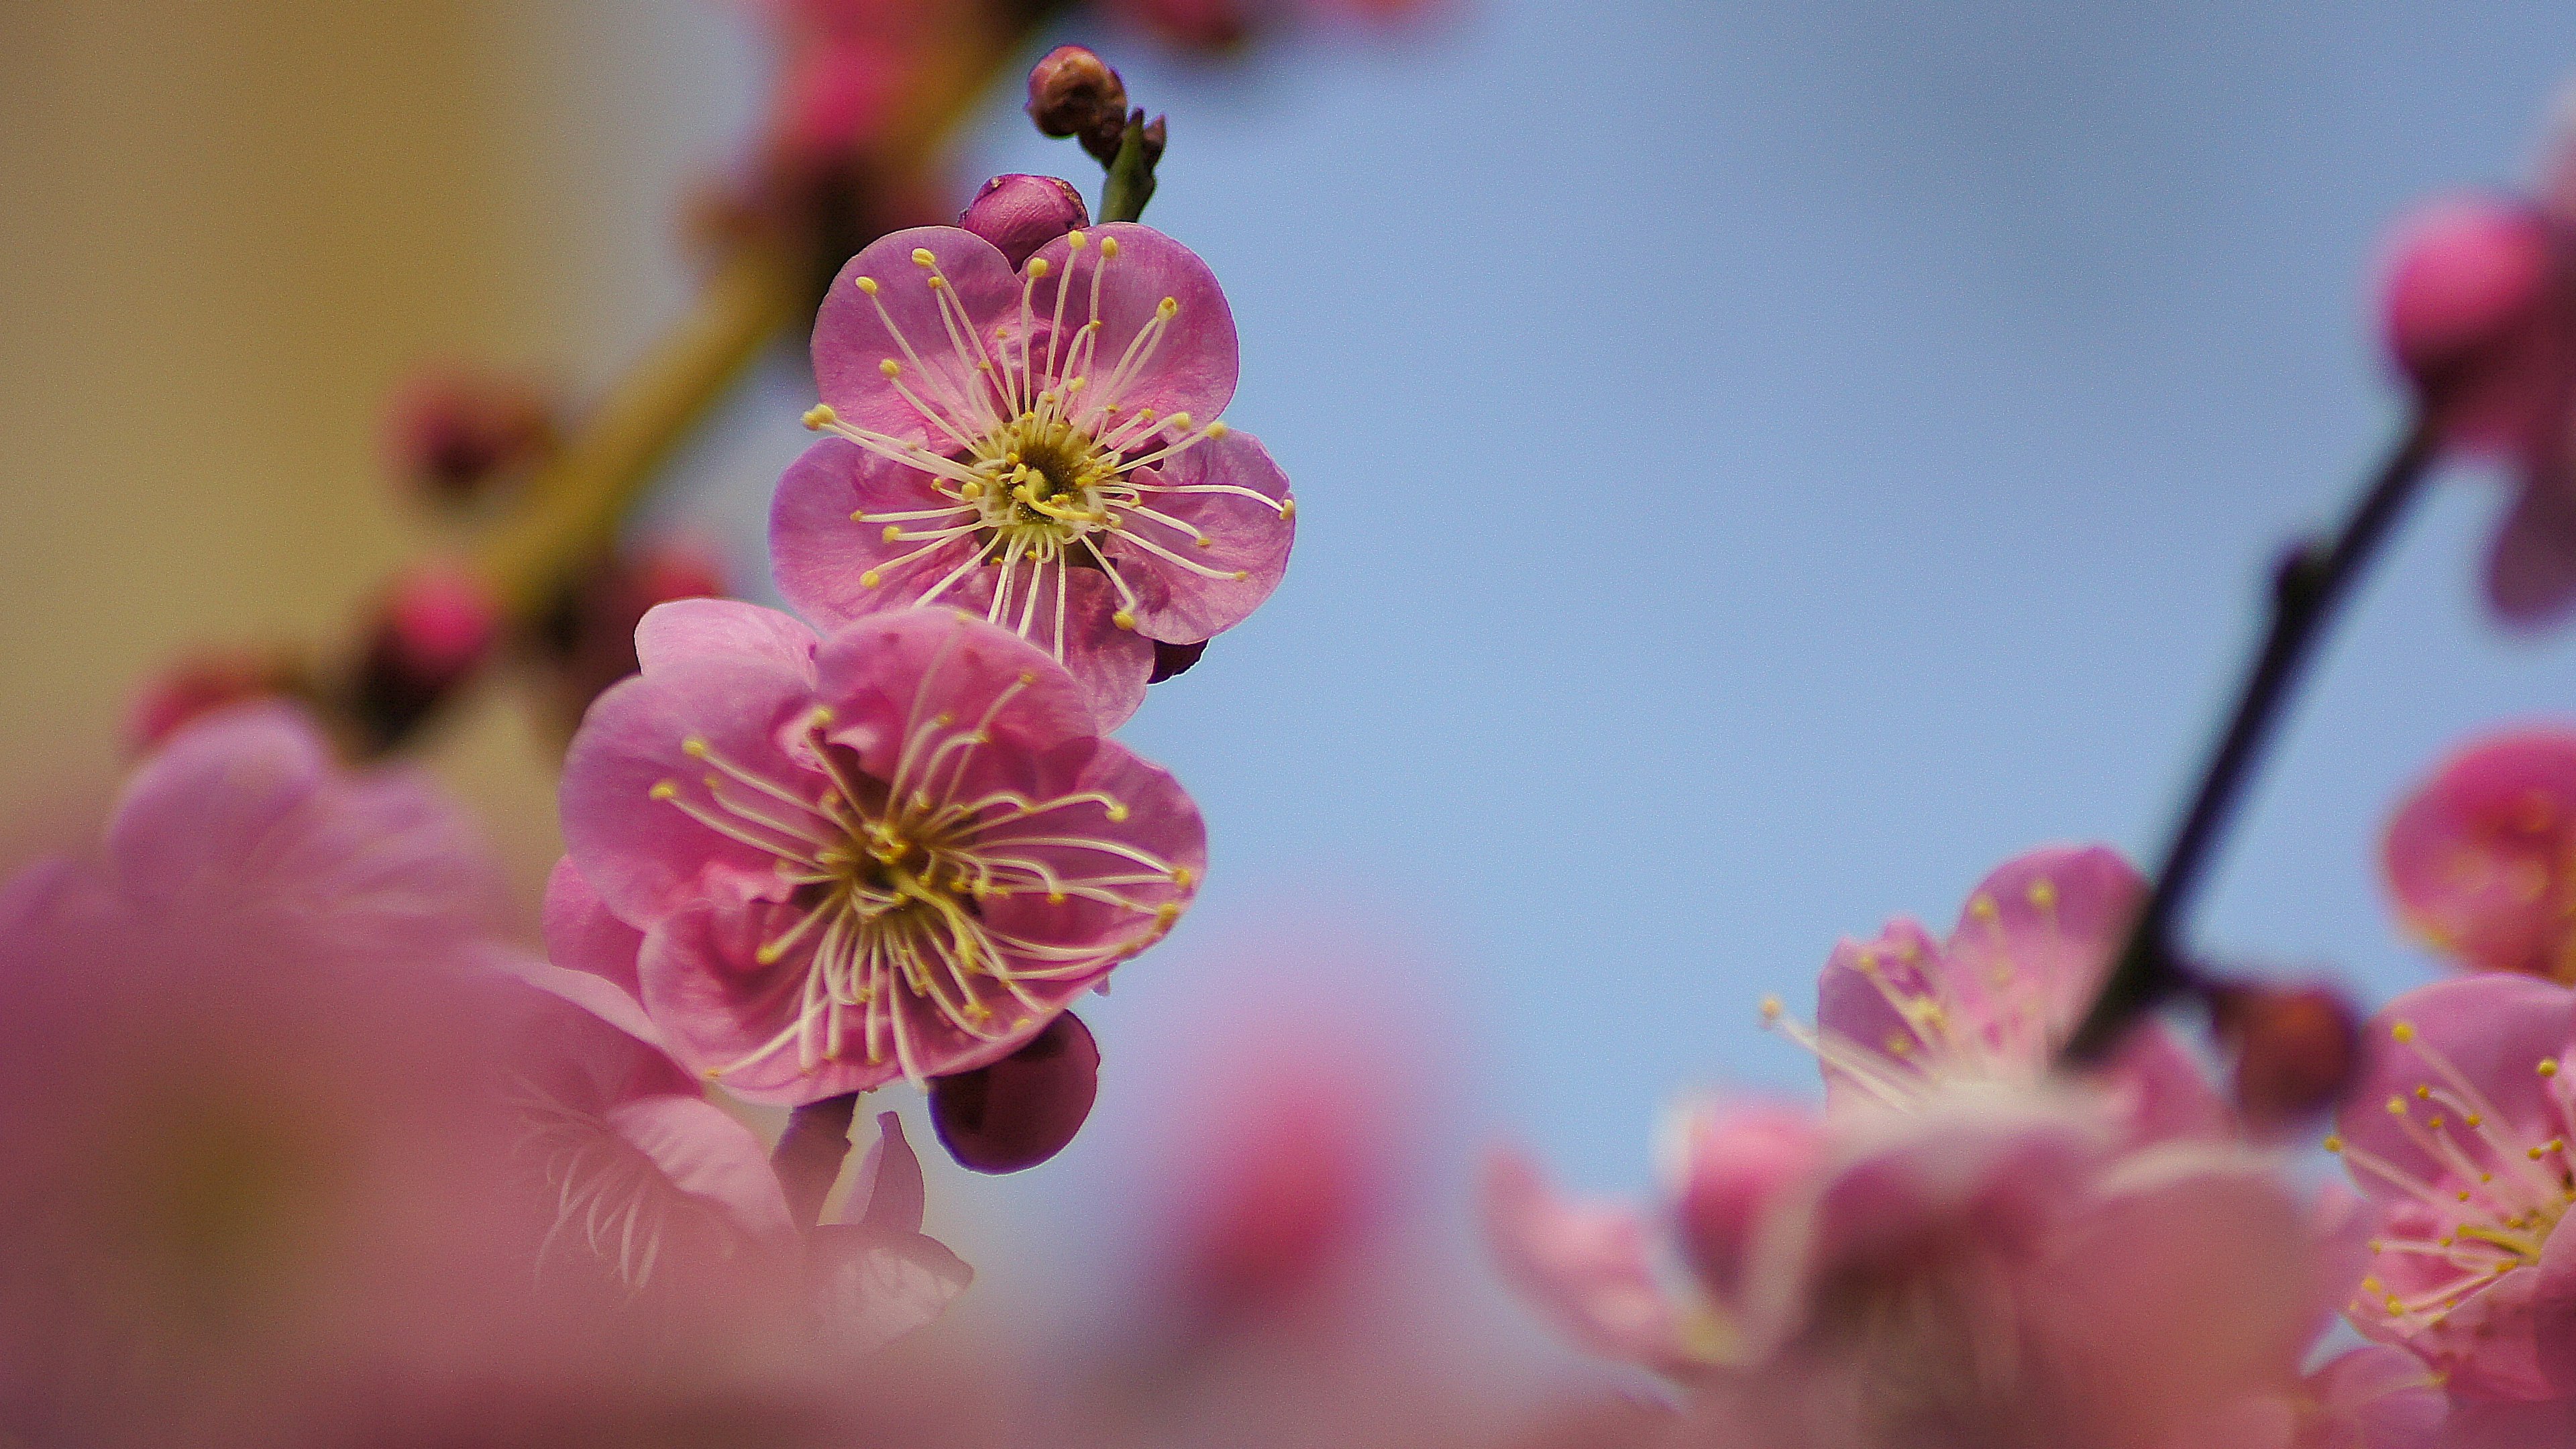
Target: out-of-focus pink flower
(2482, 857)
(1988, 1268)
(451, 435)
(2458, 1132)
(201, 683)
(587, 641)
(1905, 1014)
(1019, 214)
(2373, 1398)
(900, 850)
(2480, 312)
(435, 629)
(2296, 1049)
(1220, 26)
(1041, 448)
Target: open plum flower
(1040, 447)
(901, 850)
(2482, 857)
(2458, 1132)
(1903, 1015)
(1991, 1268)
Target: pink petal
(2479, 856)
(1161, 820)
(211, 799)
(581, 934)
(2531, 575)
(647, 857)
(1857, 995)
(2047, 923)
(1111, 663)
(2377, 1398)
(889, 1190)
(821, 557)
(870, 1288)
(852, 338)
(887, 675)
(688, 628)
(2494, 1030)
(2507, 1426)
(1738, 1166)
(731, 1019)
(587, 1045)
(1192, 366)
(1243, 535)
(709, 1155)
(1586, 1267)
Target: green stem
(1131, 177)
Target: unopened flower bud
(1155, 134)
(1023, 1109)
(1020, 214)
(2468, 297)
(437, 627)
(2296, 1049)
(451, 436)
(198, 685)
(1073, 92)
(1172, 659)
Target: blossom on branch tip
(2481, 858)
(1041, 448)
(901, 849)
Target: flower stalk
(2310, 584)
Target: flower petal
(688, 628)
(2478, 856)
(1586, 1267)
(2043, 925)
(890, 677)
(582, 935)
(1180, 605)
(870, 1288)
(734, 1021)
(821, 557)
(856, 334)
(709, 1155)
(1191, 365)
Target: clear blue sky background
(1761, 466)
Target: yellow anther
(1287, 507)
(1117, 813)
(2397, 1106)
(769, 953)
(2373, 1285)
(1108, 247)
(871, 579)
(822, 715)
(666, 790)
(2423, 1091)
(1055, 898)
(2534, 1153)
(1241, 574)
(2395, 1308)
(1983, 907)
(1038, 268)
(1204, 541)
(1771, 1008)
(892, 532)
(2043, 894)
(1218, 429)
(1181, 875)
(1166, 913)
(694, 748)
(890, 368)
(1898, 1046)
(1166, 307)
(921, 257)
(1077, 384)
(2474, 1120)
(1076, 240)
(1178, 420)
(868, 285)
(820, 415)
(1123, 619)
(2333, 1144)
(937, 281)
(858, 515)
(2403, 1031)
(2548, 1067)
(1028, 676)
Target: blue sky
(1760, 466)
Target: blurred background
(1759, 467)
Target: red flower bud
(1020, 214)
(2296, 1049)
(437, 627)
(199, 684)
(1023, 1109)
(1073, 92)
(451, 436)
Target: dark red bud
(451, 437)
(1172, 659)
(1020, 214)
(437, 627)
(2296, 1050)
(1023, 1109)
(1073, 92)
(1154, 135)
(198, 685)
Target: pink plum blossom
(1042, 448)
(2482, 856)
(899, 850)
(1904, 1013)
(2480, 311)
(2458, 1133)
(1987, 1268)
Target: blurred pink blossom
(1042, 448)
(901, 850)
(2458, 1134)
(2482, 856)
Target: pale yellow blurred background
(226, 229)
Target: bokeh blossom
(2481, 857)
(2458, 1133)
(1041, 448)
(1988, 1268)
(898, 850)
(2480, 312)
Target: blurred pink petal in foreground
(2482, 856)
